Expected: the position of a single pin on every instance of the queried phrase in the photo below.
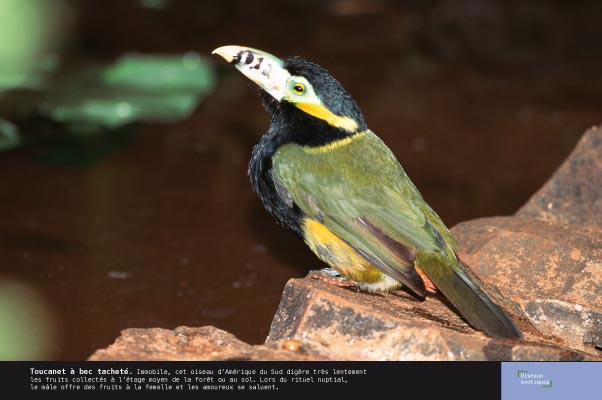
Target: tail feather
(473, 304)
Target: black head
(316, 108)
(308, 105)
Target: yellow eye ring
(298, 88)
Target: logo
(533, 378)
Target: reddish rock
(361, 326)
(195, 344)
(573, 195)
(553, 271)
(319, 321)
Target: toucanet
(321, 172)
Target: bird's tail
(452, 279)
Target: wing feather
(361, 193)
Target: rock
(319, 321)
(186, 344)
(573, 195)
(552, 270)
(542, 266)
(360, 326)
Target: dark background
(479, 100)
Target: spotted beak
(264, 69)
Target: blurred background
(124, 198)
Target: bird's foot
(332, 276)
(428, 284)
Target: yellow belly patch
(338, 254)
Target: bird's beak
(264, 69)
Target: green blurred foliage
(30, 33)
(91, 107)
(89, 101)
(155, 88)
(9, 135)
(26, 327)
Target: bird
(321, 172)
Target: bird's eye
(299, 88)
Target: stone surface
(360, 326)
(573, 195)
(197, 344)
(319, 321)
(553, 271)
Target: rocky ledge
(542, 265)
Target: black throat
(291, 125)
(288, 125)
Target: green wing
(361, 193)
(357, 188)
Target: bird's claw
(331, 276)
